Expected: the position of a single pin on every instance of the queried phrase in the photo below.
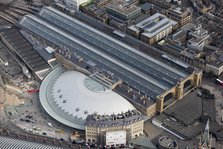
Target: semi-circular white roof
(69, 96)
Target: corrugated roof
(25, 50)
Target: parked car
(44, 133)
(28, 121)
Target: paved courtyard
(26, 113)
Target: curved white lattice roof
(69, 96)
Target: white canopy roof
(71, 96)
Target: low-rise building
(147, 8)
(216, 67)
(121, 128)
(173, 49)
(161, 3)
(74, 4)
(191, 57)
(181, 15)
(153, 28)
(123, 11)
(100, 3)
(201, 6)
(208, 60)
(179, 37)
(214, 62)
(197, 36)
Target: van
(199, 94)
(49, 124)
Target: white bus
(218, 81)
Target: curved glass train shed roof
(140, 71)
(69, 96)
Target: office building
(75, 4)
(197, 36)
(123, 11)
(114, 129)
(180, 15)
(153, 28)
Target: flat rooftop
(181, 11)
(153, 25)
(126, 118)
(135, 68)
(124, 8)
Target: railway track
(27, 10)
(13, 13)
(7, 18)
(21, 12)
